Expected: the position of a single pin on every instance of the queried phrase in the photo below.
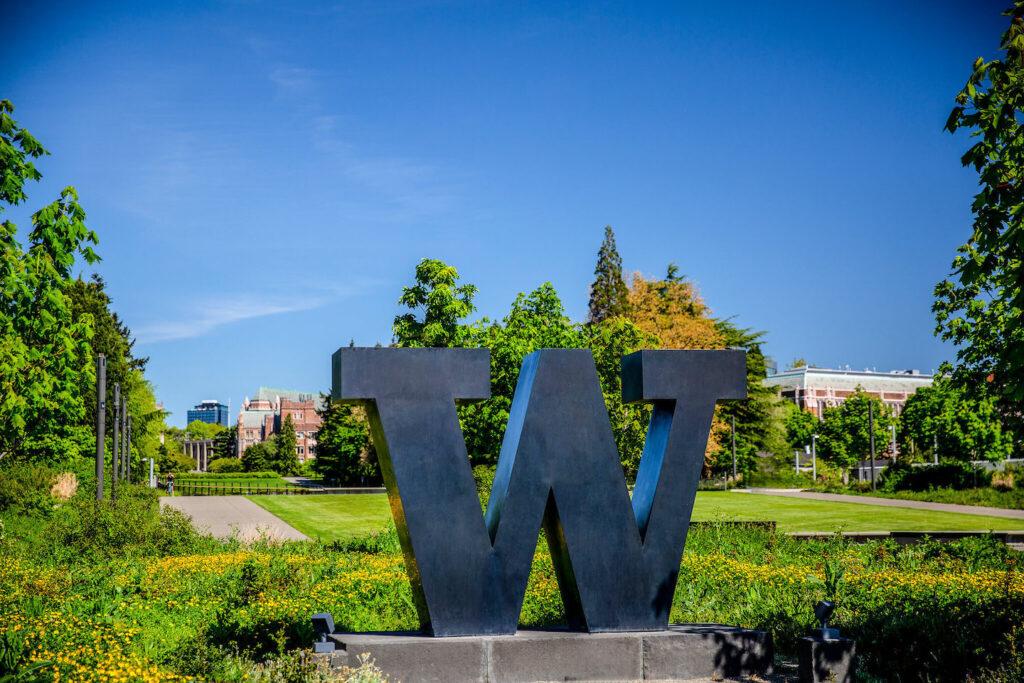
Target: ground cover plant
(129, 592)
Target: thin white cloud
(209, 316)
(292, 81)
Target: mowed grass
(798, 514)
(331, 517)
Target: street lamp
(814, 457)
(892, 428)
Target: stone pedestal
(684, 651)
(824, 660)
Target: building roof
(897, 380)
(271, 394)
(254, 418)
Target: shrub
(224, 465)
(1002, 481)
(484, 476)
(25, 488)
(132, 526)
(201, 476)
(953, 474)
(65, 486)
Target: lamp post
(871, 434)
(115, 453)
(935, 449)
(101, 420)
(892, 428)
(814, 457)
(734, 449)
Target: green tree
(197, 429)
(979, 309)
(535, 321)
(609, 341)
(47, 359)
(343, 450)
(287, 460)
(443, 304)
(225, 442)
(800, 424)
(844, 434)
(609, 295)
(964, 427)
(259, 457)
(111, 337)
(759, 425)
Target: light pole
(101, 419)
(814, 457)
(892, 428)
(935, 448)
(871, 434)
(734, 450)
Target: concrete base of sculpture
(832, 660)
(684, 651)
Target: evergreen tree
(609, 295)
(225, 442)
(259, 456)
(343, 450)
(287, 460)
(759, 425)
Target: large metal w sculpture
(616, 559)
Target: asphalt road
(225, 516)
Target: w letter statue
(616, 558)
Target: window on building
(300, 450)
(297, 415)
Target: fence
(194, 488)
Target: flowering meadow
(168, 605)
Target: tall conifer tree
(609, 295)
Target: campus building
(210, 411)
(815, 389)
(262, 416)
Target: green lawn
(338, 516)
(797, 514)
(330, 516)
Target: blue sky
(265, 176)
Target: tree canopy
(47, 357)
(443, 304)
(979, 308)
(962, 425)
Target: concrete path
(224, 516)
(890, 502)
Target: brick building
(815, 389)
(262, 416)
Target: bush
(200, 476)
(484, 476)
(225, 465)
(25, 488)
(901, 476)
(132, 526)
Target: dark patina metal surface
(616, 560)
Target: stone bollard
(826, 659)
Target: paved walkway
(224, 516)
(890, 502)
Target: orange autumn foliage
(673, 311)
